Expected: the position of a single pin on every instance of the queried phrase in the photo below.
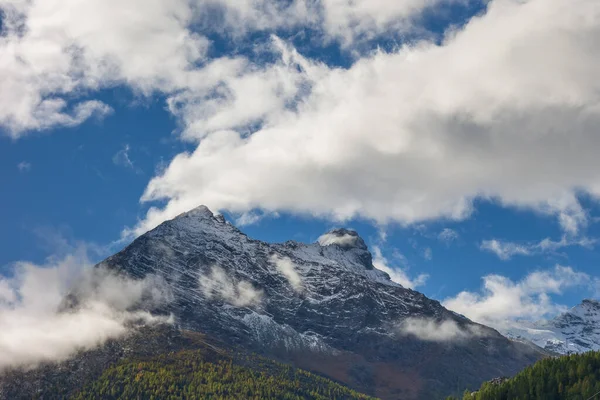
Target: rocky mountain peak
(590, 303)
(588, 311)
(200, 212)
(346, 243)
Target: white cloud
(448, 235)
(506, 250)
(53, 52)
(24, 166)
(407, 136)
(428, 254)
(38, 324)
(397, 274)
(288, 269)
(431, 330)
(219, 285)
(352, 20)
(348, 21)
(248, 218)
(343, 240)
(502, 301)
(121, 158)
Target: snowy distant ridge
(574, 331)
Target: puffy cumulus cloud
(502, 301)
(288, 269)
(431, 330)
(217, 284)
(411, 135)
(397, 274)
(53, 52)
(506, 250)
(49, 312)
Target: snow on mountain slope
(575, 331)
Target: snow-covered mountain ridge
(574, 331)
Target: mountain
(322, 307)
(574, 331)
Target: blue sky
(483, 163)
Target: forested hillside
(190, 374)
(574, 377)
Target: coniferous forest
(574, 377)
(190, 375)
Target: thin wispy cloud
(24, 166)
(428, 254)
(505, 250)
(123, 159)
(448, 236)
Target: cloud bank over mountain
(49, 312)
(410, 135)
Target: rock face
(575, 331)
(321, 306)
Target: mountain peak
(590, 303)
(200, 211)
(573, 331)
(199, 215)
(346, 244)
